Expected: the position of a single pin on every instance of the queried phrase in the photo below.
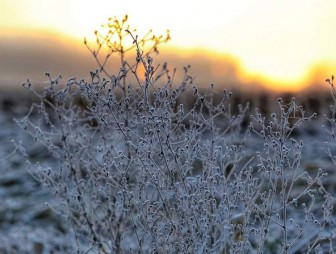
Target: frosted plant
(331, 121)
(328, 207)
(139, 169)
(287, 200)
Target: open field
(28, 224)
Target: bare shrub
(139, 171)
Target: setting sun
(277, 42)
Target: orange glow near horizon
(277, 43)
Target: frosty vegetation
(156, 165)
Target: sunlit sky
(277, 41)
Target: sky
(285, 44)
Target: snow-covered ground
(29, 225)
